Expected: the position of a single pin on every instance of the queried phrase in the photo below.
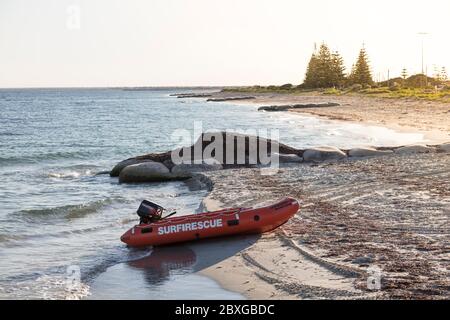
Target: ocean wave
(24, 159)
(68, 211)
(4, 238)
(10, 134)
(75, 171)
(9, 239)
(70, 174)
(47, 287)
(18, 240)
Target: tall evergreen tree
(311, 72)
(404, 73)
(443, 75)
(338, 69)
(324, 68)
(361, 73)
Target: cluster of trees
(414, 81)
(326, 69)
(440, 74)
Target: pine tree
(311, 73)
(324, 68)
(443, 75)
(338, 69)
(361, 73)
(351, 75)
(437, 73)
(404, 74)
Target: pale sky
(45, 43)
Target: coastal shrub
(287, 86)
(382, 90)
(332, 91)
(394, 86)
(355, 87)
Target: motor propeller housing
(149, 212)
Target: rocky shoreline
(156, 167)
(191, 95)
(230, 99)
(288, 107)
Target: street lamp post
(422, 35)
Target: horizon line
(124, 87)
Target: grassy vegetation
(441, 94)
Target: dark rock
(367, 152)
(230, 99)
(148, 172)
(241, 144)
(445, 147)
(414, 149)
(297, 106)
(188, 169)
(289, 158)
(323, 153)
(122, 164)
(191, 95)
(245, 145)
(363, 260)
(198, 182)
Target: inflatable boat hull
(212, 224)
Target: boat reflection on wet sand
(158, 265)
(172, 272)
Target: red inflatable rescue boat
(157, 230)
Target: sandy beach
(389, 214)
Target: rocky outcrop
(156, 157)
(199, 182)
(224, 150)
(235, 143)
(323, 154)
(297, 106)
(445, 147)
(230, 99)
(288, 158)
(367, 152)
(122, 164)
(148, 171)
(191, 95)
(414, 149)
(236, 148)
(188, 169)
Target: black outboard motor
(149, 212)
